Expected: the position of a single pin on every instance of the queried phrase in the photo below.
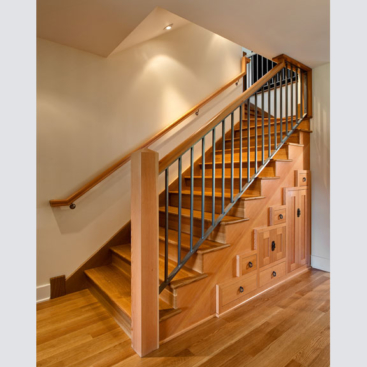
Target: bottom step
(112, 287)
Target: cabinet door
(303, 227)
(292, 235)
(277, 243)
(298, 222)
(262, 240)
(270, 242)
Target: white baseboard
(320, 263)
(43, 293)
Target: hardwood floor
(288, 325)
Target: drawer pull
(304, 179)
(273, 246)
(250, 264)
(241, 289)
(280, 216)
(274, 273)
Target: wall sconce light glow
(169, 27)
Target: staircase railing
(288, 111)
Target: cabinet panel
(302, 178)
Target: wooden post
(144, 252)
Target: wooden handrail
(188, 143)
(69, 201)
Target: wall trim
(320, 263)
(43, 293)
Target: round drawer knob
(274, 274)
(304, 179)
(280, 216)
(250, 264)
(72, 206)
(241, 289)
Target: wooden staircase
(111, 283)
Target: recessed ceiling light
(169, 27)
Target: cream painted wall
(320, 167)
(92, 110)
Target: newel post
(144, 252)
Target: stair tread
(117, 287)
(207, 216)
(183, 277)
(205, 247)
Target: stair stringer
(198, 302)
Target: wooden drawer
(277, 215)
(245, 264)
(302, 178)
(234, 290)
(272, 274)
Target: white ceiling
(300, 29)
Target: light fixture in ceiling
(168, 28)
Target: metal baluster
(262, 66)
(248, 140)
(302, 92)
(223, 160)
(296, 95)
(269, 120)
(179, 209)
(166, 225)
(306, 93)
(262, 127)
(232, 153)
(202, 185)
(257, 67)
(292, 101)
(275, 118)
(191, 197)
(286, 98)
(281, 108)
(213, 178)
(256, 132)
(240, 149)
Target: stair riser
(259, 131)
(238, 209)
(121, 264)
(268, 171)
(218, 235)
(236, 156)
(120, 317)
(294, 138)
(194, 263)
(218, 185)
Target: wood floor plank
(286, 326)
